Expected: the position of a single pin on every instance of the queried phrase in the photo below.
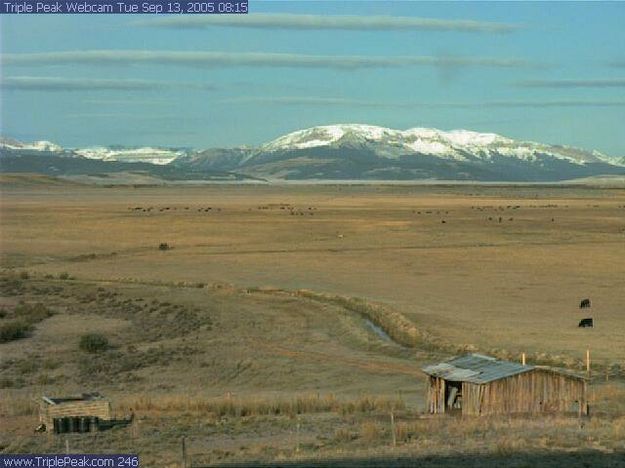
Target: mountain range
(332, 152)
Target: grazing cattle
(587, 322)
(584, 304)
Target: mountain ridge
(359, 152)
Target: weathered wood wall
(99, 408)
(536, 391)
(436, 394)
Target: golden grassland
(322, 431)
(514, 284)
(254, 334)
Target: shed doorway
(453, 396)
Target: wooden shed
(475, 384)
(87, 405)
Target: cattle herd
(585, 322)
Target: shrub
(11, 285)
(93, 343)
(32, 313)
(26, 315)
(14, 331)
(24, 275)
(64, 275)
(5, 382)
(343, 435)
(370, 431)
(163, 246)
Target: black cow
(584, 304)
(587, 322)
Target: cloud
(32, 83)
(322, 22)
(539, 104)
(311, 101)
(128, 102)
(596, 83)
(616, 63)
(258, 59)
(38, 83)
(120, 116)
(297, 101)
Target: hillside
(332, 152)
(365, 152)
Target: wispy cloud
(592, 83)
(128, 102)
(32, 83)
(311, 101)
(617, 63)
(38, 83)
(297, 101)
(322, 22)
(121, 116)
(260, 59)
(538, 104)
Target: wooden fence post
(393, 429)
(184, 452)
(297, 437)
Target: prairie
(286, 322)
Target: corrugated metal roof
(475, 368)
(84, 397)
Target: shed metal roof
(72, 399)
(475, 368)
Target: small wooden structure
(87, 405)
(475, 384)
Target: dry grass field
(252, 335)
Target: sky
(552, 72)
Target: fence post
(297, 437)
(393, 429)
(184, 452)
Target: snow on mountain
(42, 145)
(159, 156)
(339, 152)
(151, 155)
(460, 145)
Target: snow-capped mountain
(11, 144)
(460, 145)
(146, 154)
(367, 152)
(335, 152)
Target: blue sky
(546, 71)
